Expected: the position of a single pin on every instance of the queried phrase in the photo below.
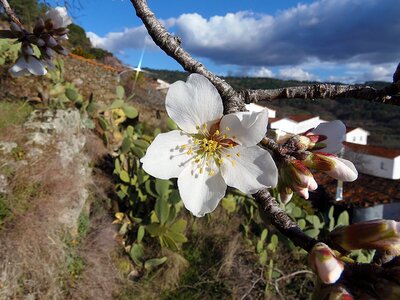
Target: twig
(171, 45)
(251, 288)
(279, 218)
(289, 276)
(10, 12)
(293, 274)
(387, 95)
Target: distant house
(357, 135)
(162, 85)
(374, 160)
(295, 124)
(256, 108)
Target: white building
(256, 108)
(357, 135)
(374, 160)
(295, 124)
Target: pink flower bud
(325, 264)
(338, 168)
(340, 293)
(375, 234)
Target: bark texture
(172, 46)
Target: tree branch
(172, 46)
(387, 95)
(10, 12)
(282, 221)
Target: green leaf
(126, 145)
(117, 166)
(162, 210)
(296, 212)
(264, 235)
(138, 152)
(343, 219)
(155, 229)
(179, 226)
(259, 246)
(171, 124)
(149, 190)
(103, 124)
(301, 223)
(154, 262)
(130, 111)
(156, 132)
(130, 130)
(263, 257)
(313, 232)
(71, 94)
(120, 92)
(140, 234)
(177, 237)
(124, 176)
(229, 204)
(162, 187)
(142, 176)
(117, 104)
(141, 144)
(174, 197)
(137, 254)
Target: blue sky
(327, 40)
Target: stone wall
(87, 75)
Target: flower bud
(340, 293)
(338, 168)
(298, 178)
(285, 193)
(324, 263)
(374, 234)
(39, 27)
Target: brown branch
(172, 46)
(10, 12)
(387, 95)
(279, 218)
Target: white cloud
(117, 42)
(296, 73)
(357, 36)
(262, 72)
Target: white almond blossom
(335, 133)
(58, 17)
(212, 150)
(28, 64)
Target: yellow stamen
(238, 154)
(211, 173)
(227, 128)
(201, 170)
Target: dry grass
(33, 250)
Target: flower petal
(20, 65)
(201, 192)
(248, 127)
(193, 103)
(35, 66)
(252, 170)
(165, 158)
(335, 132)
(343, 170)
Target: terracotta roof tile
(301, 118)
(373, 150)
(366, 191)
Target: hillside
(380, 120)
